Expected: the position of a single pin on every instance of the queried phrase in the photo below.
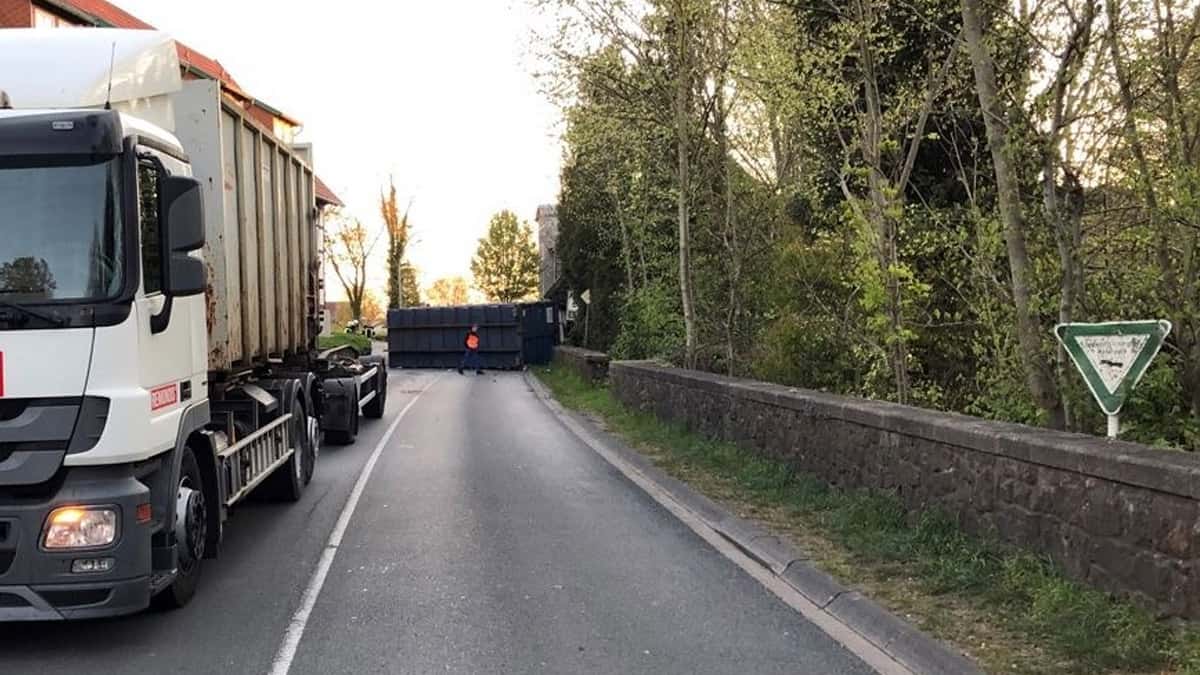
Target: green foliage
(401, 276)
(813, 264)
(1154, 413)
(650, 325)
(410, 290)
(360, 342)
(506, 263)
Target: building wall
(547, 220)
(1119, 516)
(29, 14)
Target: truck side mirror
(183, 209)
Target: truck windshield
(60, 230)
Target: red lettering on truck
(164, 396)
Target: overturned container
(510, 335)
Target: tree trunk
(886, 248)
(1065, 212)
(626, 252)
(683, 112)
(1063, 206)
(729, 233)
(1029, 334)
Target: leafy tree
(373, 312)
(448, 291)
(399, 232)
(27, 276)
(887, 199)
(410, 290)
(506, 263)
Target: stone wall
(588, 364)
(1119, 516)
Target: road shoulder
(880, 638)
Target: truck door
(166, 335)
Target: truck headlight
(80, 527)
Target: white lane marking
(856, 644)
(295, 630)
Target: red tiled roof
(190, 58)
(324, 194)
(107, 13)
(110, 14)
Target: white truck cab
(157, 324)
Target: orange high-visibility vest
(472, 341)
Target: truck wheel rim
(191, 526)
(314, 436)
(301, 435)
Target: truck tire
(374, 409)
(345, 437)
(288, 481)
(191, 534)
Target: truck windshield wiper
(48, 318)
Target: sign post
(1112, 357)
(586, 297)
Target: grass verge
(1011, 611)
(360, 342)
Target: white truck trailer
(159, 275)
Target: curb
(895, 637)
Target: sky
(435, 93)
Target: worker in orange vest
(471, 355)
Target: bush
(361, 343)
(651, 324)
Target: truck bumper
(38, 585)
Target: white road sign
(1112, 357)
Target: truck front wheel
(191, 534)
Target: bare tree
(349, 245)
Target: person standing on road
(471, 355)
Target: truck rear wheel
(191, 535)
(347, 434)
(288, 481)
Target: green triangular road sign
(1112, 357)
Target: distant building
(550, 266)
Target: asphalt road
(487, 540)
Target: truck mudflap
(37, 584)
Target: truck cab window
(151, 232)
